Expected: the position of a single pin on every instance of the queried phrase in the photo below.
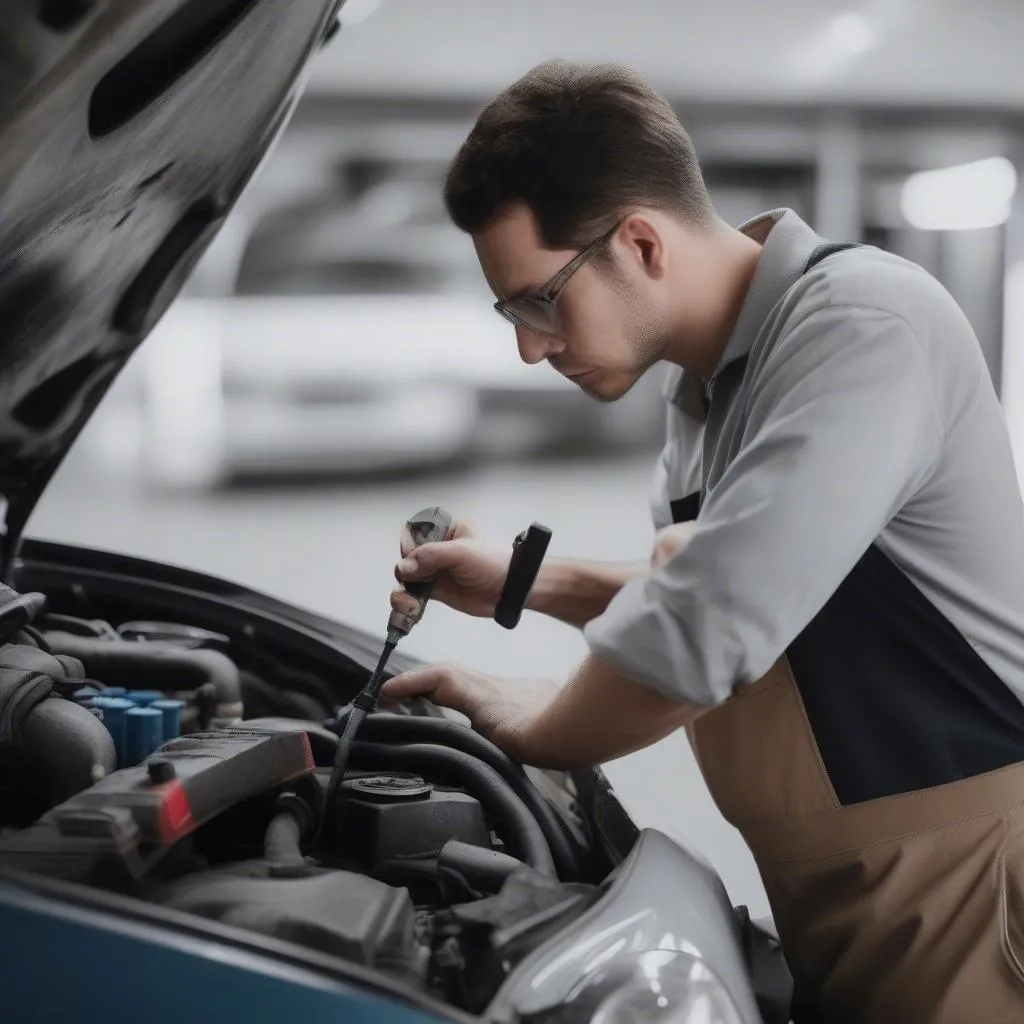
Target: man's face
(609, 330)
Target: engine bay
(185, 768)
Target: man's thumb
(432, 558)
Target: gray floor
(332, 549)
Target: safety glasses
(538, 310)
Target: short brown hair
(579, 144)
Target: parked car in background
(333, 337)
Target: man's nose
(535, 347)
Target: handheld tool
(426, 527)
(430, 526)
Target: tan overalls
(905, 909)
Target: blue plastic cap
(144, 733)
(114, 691)
(171, 711)
(114, 710)
(144, 697)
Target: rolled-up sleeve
(842, 429)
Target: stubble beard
(648, 340)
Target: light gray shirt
(864, 415)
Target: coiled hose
(524, 834)
(389, 728)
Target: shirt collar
(787, 246)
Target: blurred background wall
(334, 365)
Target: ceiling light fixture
(961, 198)
(852, 33)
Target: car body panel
(128, 130)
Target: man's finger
(460, 529)
(418, 682)
(406, 542)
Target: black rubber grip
(528, 551)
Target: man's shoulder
(866, 304)
(872, 280)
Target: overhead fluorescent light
(852, 33)
(832, 48)
(965, 197)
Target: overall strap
(828, 249)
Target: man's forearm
(596, 717)
(576, 592)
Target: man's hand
(469, 574)
(499, 709)
(671, 541)
(596, 717)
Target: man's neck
(729, 266)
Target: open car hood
(128, 129)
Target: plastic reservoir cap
(144, 697)
(114, 710)
(171, 712)
(114, 691)
(145, 732)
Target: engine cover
(133, 816)
(334, 912)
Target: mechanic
(835, 609)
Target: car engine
(158, 760)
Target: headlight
(656, 987)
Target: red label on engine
(175, 813)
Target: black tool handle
(427, 527)
(528, 551)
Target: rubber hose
(282, 844)
(62, 745)
(153, 665)
(481, 780)
(391, 728)
(485, 870)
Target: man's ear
(643, 237)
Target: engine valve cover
(154, 804)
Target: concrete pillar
(973, 269)
(838, 214)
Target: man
(836, 606)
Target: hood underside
(128, 129)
